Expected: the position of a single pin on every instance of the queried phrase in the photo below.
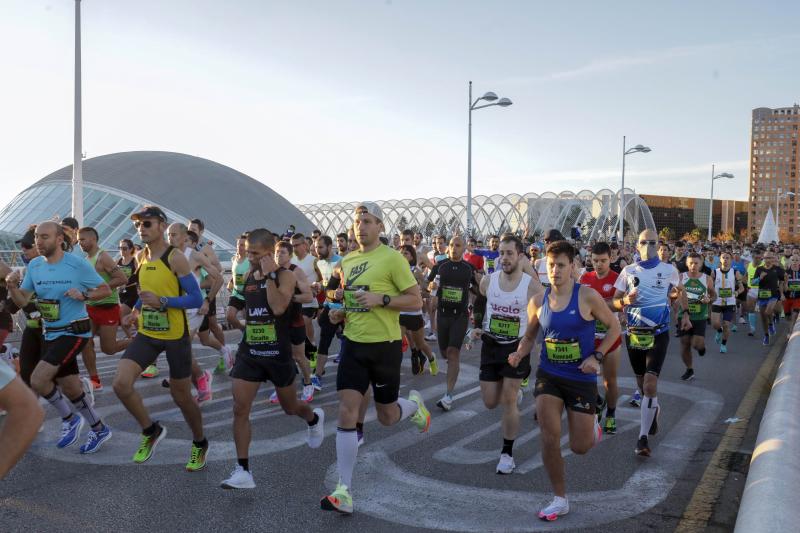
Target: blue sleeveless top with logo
(567, 339)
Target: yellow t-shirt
(381, 271)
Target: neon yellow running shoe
(422, 418)
(148, 445)
(525, 383)
(434, 366)
(220, 368)
(312, 360)
(197, 459)
(339, 500)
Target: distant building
(684, 214)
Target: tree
(667, 234)
(693, 236)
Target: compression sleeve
(478, 310)
(193, 297)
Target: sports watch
(386, 300)
(598, 355)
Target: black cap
(150, 211)
(70, 222)
(553, 235)
(29, 239)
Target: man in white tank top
(308, 264)
(727, 284)
(507, 291)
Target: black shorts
(698, 329)
(742, 296)
(578, 396)
(204, 325)
(297, 335)
(494, 361)
(236, 302)
(310, 312)
(649, 361)
(144, 351)
(279, 370)
(728, 312)
(450, 331)
(412, 322)
(365, 363)
(63, 352)
(31, 350)
(129, 298)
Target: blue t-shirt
(653, 280)
(739, 266)
(489, 259)
(51, 281)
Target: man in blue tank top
(565, 313)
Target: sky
(336, 100)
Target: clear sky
(330, 100)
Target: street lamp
(726, 175)
(787, 194)
(493, 100)
(625, 152)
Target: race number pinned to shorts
(351, 304)
(641, 339)
(504, 326)
(451, 294)
(260, 333)
(725, 292)
(49, 309)
(154, 319)
(764, 294)
(562, 350)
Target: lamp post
(625, 152)
(778, 197)
(77, 158)
(726, 175)
(493, 100)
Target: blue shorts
(766, 301)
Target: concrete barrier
(770, 502)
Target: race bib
(258, 333)
(490, 264)
(49, 309)
(794, 285)
(695, 308)
(351, 304)
(764, 294)
(451, 294)
(562, 351)
(238, 280)
(154, 319)
(641, 340)
(725, 292)
(504, 326)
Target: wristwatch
(598, 355)
(164, 301)
(386, 300)
(273, 275)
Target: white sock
(648, 414)
(407, 408)
(346, 453)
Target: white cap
(371, 208)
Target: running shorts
(698, 329)
(279, 370)
(648, 361)
(144, 351)
(450, 331)
(236, 302)
(412, 322)
(791, 304)
(63, 352)
(104, 314)
(362, 364)
(728, 312)
(494, 361)
(578, 396)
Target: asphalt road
(444, 480)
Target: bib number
(350, 302)
(260, 333)
(504, 326)
(695, 308)
(238, 280)
(641, 340)
(154, 319)
(764, 294)
(726, 292)
(794, 285)
(490, 264)
(452, 295)
(562, 351)
(50, 309)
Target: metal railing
(770, 501)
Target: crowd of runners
(559, 306)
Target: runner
(341, 244)
(566, 314)
(473, 258)
(327, 263)
(602, 279)
(727, 284)
(540, 265)
(507, 291)
(412, 325)
(130, 292)
(62, 283)
(771, 281)
(240, 266)
(452, 280)
(308, 263)
(377, 286)
(699, 290)
(618, 261)
(24, 417)
(664, 253)
(739, 264)
(752, 289)
(643, 291)
(167, 289)
(105, 313)
(491, 255)
(265, 352)
(791, 304)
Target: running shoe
(88, 389)
(312, 360)
(742, 320)
(723, 348)
(431, 337)
(220, 368)
(434, 365)
(610, 426)
(506, 464)
(96, 385)
(148, 444)
(601, 405)
(95, 439)
(642, 447)
(446, 403)
(316, 382)
(316, 433)
(308, 393)
(772, 329)
(227, 357)
(70, 430)
(165, 383)
(273, 398)
(751, 333)
(718, 337)
(598, 432)
(525, 384)
(197, 458)
(415, 363)
(422, 418)
(688, 375)
(558, 507)
(636, 399)
(204, 393)
(150, 372)
(765, 342)
(339, 500)
(519, 396)
(422, 360)
(734, 328)
(240, 479)
(654, 426)
(360, 435)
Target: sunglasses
(142, 223)
(648, 243)
(124, 248)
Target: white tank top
(506, 315)
(412, 313)
(726, 282)
(307, 266)
(541, 270)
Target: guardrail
(770, 502)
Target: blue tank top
(568, 339)
(739, 267)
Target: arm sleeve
(434, 271)
(193, 297)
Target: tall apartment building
(773, 169)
